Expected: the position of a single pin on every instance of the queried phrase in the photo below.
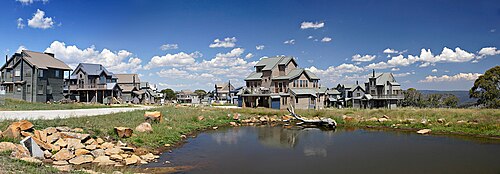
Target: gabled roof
(127, 78)
(271, 62)
(254, 76)
(385, 77)
(296, 73)
(44, 60)
(93, 69)
(126, 88)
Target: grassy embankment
(10, 165)
(183, 120)
(480, 122)
(19, 105)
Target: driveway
(53, 114)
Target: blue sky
(194, 44)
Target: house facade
(187, 96)
(33, 76)
(278, 82)
(131, 88)
(93, 83)
(224, 92)
(381, 91)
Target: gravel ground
(53, 114)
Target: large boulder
(153, 116)
(144, 127)
(424, 131)
(12, 131)
(123, 132)
(25, 125)
(107, 145)
(81, 159)
(63, 154)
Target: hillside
(463, 96)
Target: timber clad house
(93, 83)
(224, 92)
(278, 82)
(130, 85)
(33, 76)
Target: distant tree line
(170, 94)
(486, 90)
(414, 98)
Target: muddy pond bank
(267, 149)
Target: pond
(269, 149)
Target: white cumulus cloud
(314, 25)
(365, 58)
(40, 21)
(20, 24)
(290, 42)
(326, 39)
(178, 59)
(116, 61)
(227, 42)
(447, 78)
(259, 47)
(169, 47)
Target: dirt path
(53, 114)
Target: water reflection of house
(278, 137)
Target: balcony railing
(390, 96)
(87, 86)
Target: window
(40, 73)
(40, 89)
(57, 73)
(17, 73)
(28, 89)
(358, 94)
(18, 88)
(296, 100)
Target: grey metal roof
(254, 76)
(93, 69)
(292, 74)
(385, 77)
(332, 91)
(44, 60)
(128, 78)
(312, 75)
(271, 62)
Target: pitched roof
(385, 77)
(44, 60)
(271, 62)
(126, 88)
(304, 91)
(333, 91)
(296, 73)
(93, 69)
(127, 78)
(254, 76)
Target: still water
(278, 150)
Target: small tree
(450, 101)
(411, 97)
(487, 88)
(200, 92)
(169, 94)
(434, 100)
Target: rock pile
(63, 147)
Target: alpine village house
(33, 77)
(278, 82)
